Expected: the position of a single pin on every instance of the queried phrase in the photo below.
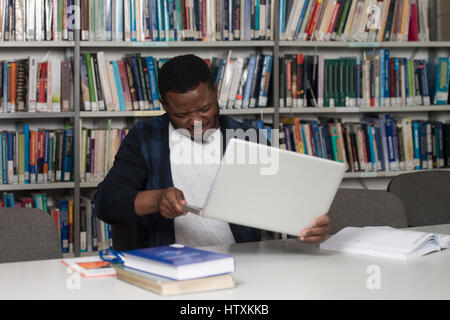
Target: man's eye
(204, 109)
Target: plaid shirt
(143, 163)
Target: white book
(32, 81)
(38, 20)
(386, 242)
(126, 21)
(55, 97)
(211, 19)
(139, 21)
(112, 85)
(104, 81)
(31, 11)
(294, 15)
(349, 22)
(237, 73)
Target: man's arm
(115, 196)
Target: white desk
(278, 269)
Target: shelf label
(363, 44)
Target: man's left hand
(318, 231)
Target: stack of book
(354, 20)
(374, 144)
(177, 269)
(373, 80)
(28, 85)
(177, 20)
(36, 156)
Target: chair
(124, 236)
(360, 207)
(425, 196)
(28, 234)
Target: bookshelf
(271, 114)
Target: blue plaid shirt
(143, 163)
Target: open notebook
(386, 242)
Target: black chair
(28, 234)
(425, 196)
(360, 207)
(124, 236)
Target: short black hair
(182, 74)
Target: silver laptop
(271, 189)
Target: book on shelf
(374, 144)
(146, 20)
(131, 83)
(354, 20)
(374, 80)
(36, 156)
(168, 287)
(179, 262)
(386, 242)
(30, 86)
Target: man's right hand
(170, 203)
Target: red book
(300, 86)
(315, 16)
(413, 33)
(334, 18)
(42, 94)
(125, 85)
(392, 78)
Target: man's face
(199, 105)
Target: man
(152, 176)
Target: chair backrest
(360, 207)
(28, 234)
(124, 236)
(425, 196)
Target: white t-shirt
(194, 166)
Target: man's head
(188, 93)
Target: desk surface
(277, 269)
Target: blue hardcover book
(381, 68)
(384, 143)
(160, 20)
(67, 165)
(11, 200)
(170, 9)
(5, 85)
(440, 145)
(405, 79)
(265, 81)
(118, 86)
(5, 199)
(327, 139)
(166, 19)
(416, 140)
(149, 61)
(248, 20)
(4, 157)
(26, 135)
(179, 262)
(153, 12)
(390, 133)
(137, 82)
(387, 87)
(381, 165)
(370, 141)
(288, 137)
(63, 206)
(316, 138)
(423, 144)
(424, 81)
(282, 17)
(249, 82)
(442, 81)
(1, 159)
(133, 20)
(10, 144)
(179, 27)
(300, 20)
(398, 94)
